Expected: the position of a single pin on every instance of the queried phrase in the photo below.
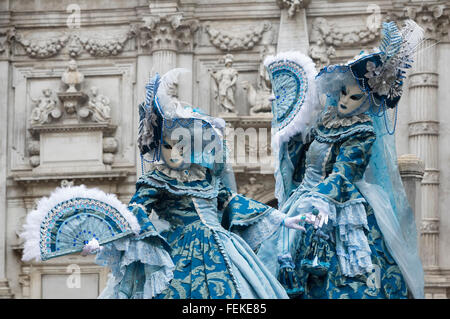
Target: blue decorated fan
(73, 218)
(294, 108)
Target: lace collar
(193, 173)
(331, 119)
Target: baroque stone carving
(41, 48)
(72, 98)
(107, 47)
(433, 17)
(72, 77)
(168, 32)
(325, 38)
(98, 107)
(429, 226)
(293, 6)
(259, 98)
(45, 108)
(225, 88)
(110, 147)
(252, 188)
(230, 41)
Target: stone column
(411, 170)
(424, 122)
(293, 32)
(167, 31)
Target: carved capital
(423, 128)
(168, 32)
(433, 16)
(293, 6)
(232, 41)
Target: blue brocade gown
(196, 257)
(353, 260)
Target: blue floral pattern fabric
(348, 258)
(205, 259)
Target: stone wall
(73, 75)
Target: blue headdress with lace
(163, 115)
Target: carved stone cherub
(44, 107)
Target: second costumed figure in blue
(335, 158)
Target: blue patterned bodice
(316, 159)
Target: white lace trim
(193, 173)
(331, 119)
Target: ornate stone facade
(71, 81)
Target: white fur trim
(32, 227)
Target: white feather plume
(32, 227)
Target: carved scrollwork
(45, 108)
(434, 18)
(325, 38)
(230, 41)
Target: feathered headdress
(381, 74)
(162, 113)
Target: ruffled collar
(331, 119)
(193, 173)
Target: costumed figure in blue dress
(335, 161)
(178, 236)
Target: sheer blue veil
(383, 189)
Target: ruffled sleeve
(252, 220)
(141, 266)
(140, 269)
(338, 196)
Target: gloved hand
(295, 222)
(92, 247)
(317, 218)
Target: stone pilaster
(293, 32)
(424, 120)
(5, 291)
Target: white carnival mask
(172, 154)
(351, 100)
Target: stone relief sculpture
(45, 108)
(230, 41)
(293, 6)
(225, 89)
(258, 98)
(252, 188)
(325, 37)
(98, 106)
(72, 77)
